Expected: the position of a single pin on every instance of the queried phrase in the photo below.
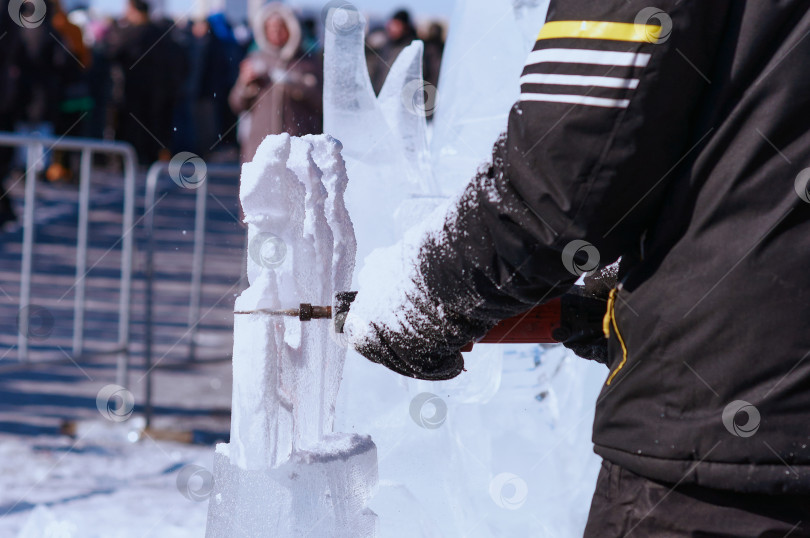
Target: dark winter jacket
(45, 65)
(676, 138)
(11, 68)
(153, 67)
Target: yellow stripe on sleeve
(616, 31)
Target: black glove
(418, 338)
(582, 312)
(394, 351)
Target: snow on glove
(409, 331)
(398, 320)
(418, 357)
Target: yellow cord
(610, 317)
(608, 313)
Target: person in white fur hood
(280, 85)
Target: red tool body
(533, 327)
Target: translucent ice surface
(485, 53)
(387, 153)
(284, 472)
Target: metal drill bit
(306, 312)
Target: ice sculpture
(389, 146)
(285, 472)
(518, 421)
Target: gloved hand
(406, 327)
(488, 259)
(413, 337)
(396, 353)
(420, 340)
(582, 312)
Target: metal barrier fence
(200, 187)
(36, 147)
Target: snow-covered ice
(285, 472)
(322, 491)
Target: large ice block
(518, 410)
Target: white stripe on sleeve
(585, 56)
(579, 80)
(576, 100)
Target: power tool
(540, 325)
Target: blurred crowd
(205, 85)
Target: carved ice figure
(284, 472)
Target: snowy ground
(98, 482)
(55, 486)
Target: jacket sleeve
(238, 99)
(604, 116)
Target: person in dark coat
(666, 137)
(153, 67)
(75, 102)
(11, 55)
(434, 51)
(400, 33)
(280, 86)
(46, 64)
(226, 56)
(204, 115)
